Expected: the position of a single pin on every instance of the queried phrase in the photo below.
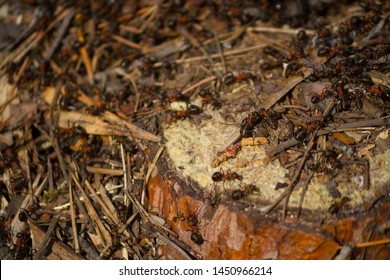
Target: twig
(255, 141)
(73, 218)
(100, 228)
(126, 42)
(11, 96)
(104, 171)
(200, 83)
(153, 165)
(198, 45)
(60, 34)
(305, 187)
(372, 243)
(135, 130)
(280, 30)
(216, 55)
(66, 205)
(299, 169)
(182, 252)
(137, 93)
(84, 55)
(35, 39)
(44, 244)
(104, 207)
(124, 174)
(145, 215)
(273, 151)
(220, 50)
(385, 121)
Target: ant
(249, 122)
(240, 193)
(210, 97)
(220, 176)
(271, 51)
(193, 224)
(70, 131)
(301, 133)
(96, 110)
(22, 244)
(182, 114)
(172, 96)
(30, 212)
(331, 157)
(335, 207)
(229, 78)
(128, 145)
(256, 117)
(18, 181)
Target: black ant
(220, 176)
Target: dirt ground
(195, 129)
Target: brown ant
(331, 157)
(69, 131)
(256, 117)
(182, 114)
(96, 110)
(30, 212)
(240, 193)
(23, 245)
(271, 51)
(249, 122)
(336, 207)
(301, 133)
(172, 96)
(220, 176)
(229, 78)
(193, 224)
(210, 97)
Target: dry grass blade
(96, 126)
(290, 84)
